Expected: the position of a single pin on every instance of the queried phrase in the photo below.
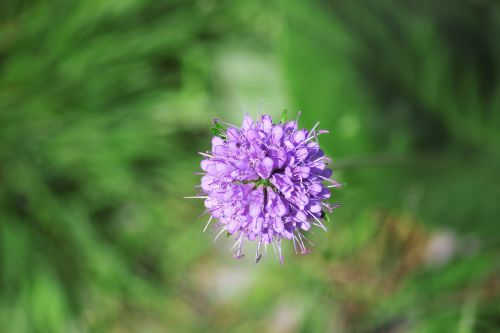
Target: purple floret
(265, 182)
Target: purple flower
(265, 182)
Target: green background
(104, 105)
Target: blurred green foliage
(104, 104)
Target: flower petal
(265, 168)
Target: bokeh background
(104, 105)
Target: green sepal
(327, 218)
(218, 130)
(283, 116)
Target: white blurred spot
(286, 317)
(229, 283)
(441, 248)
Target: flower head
(265, 182)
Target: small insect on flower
(265, 182)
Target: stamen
(312, 130)
(206, 155)
(301, 243)
(294, 246)
(320, 224)
(307, 239)
(206, 226)
(275, 252)
(222, 230)
(238, 254)
(278, 244)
